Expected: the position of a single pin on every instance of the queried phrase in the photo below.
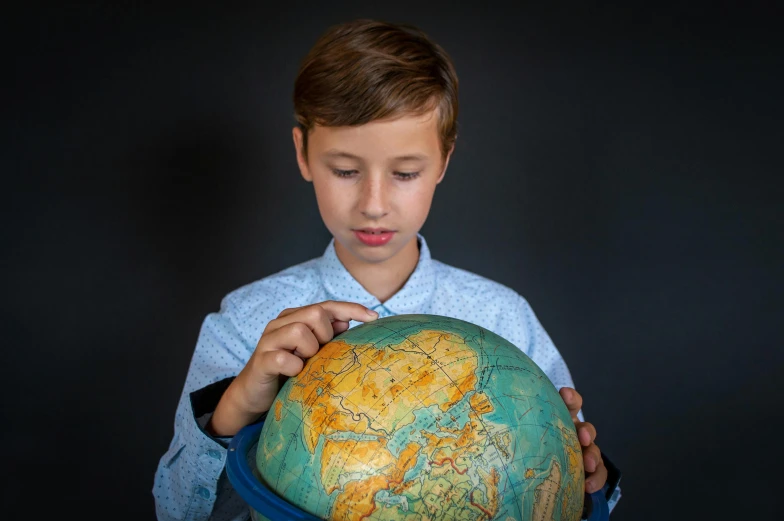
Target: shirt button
(214, 454)
(203, 492)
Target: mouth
(374, 236)
(373, 231)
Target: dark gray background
(620, 169)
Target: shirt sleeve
(190, 482)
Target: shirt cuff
(203, 403)
(614, 474)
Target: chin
(374, 255)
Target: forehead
(409, 134)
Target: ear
(304, 170)
(446, 164)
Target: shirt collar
(416, 292)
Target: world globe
(422, 417)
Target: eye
(343, 173)
(406, 176)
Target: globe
(422, 417)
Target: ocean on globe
(422, 417)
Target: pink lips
(374, 236)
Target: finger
(339, 326)
(288, 311)
(592, 458)
(279, 362)
(597, 479)
(296, 338)
(315, 318)
(586, 433)
(348, 311)
(325, 319)
(572, 399)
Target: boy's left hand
(595, 471)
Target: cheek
(419, 204)
(331, 199)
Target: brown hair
(366, 70)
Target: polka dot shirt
(190, 482)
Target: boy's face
(374, 183)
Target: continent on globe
(422, 417)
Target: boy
(376, 106)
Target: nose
(374, 198)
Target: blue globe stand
(239, 469)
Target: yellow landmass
(546, 493)
(349, 456)
(349, 388)
(356, 501)
(489, 506)
(572, 497)
(480, 403)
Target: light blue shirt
(190, 482)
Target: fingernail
(372, 313)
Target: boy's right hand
(287, 341)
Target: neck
(383, 279)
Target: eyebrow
(334, 153)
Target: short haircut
(366, 70)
